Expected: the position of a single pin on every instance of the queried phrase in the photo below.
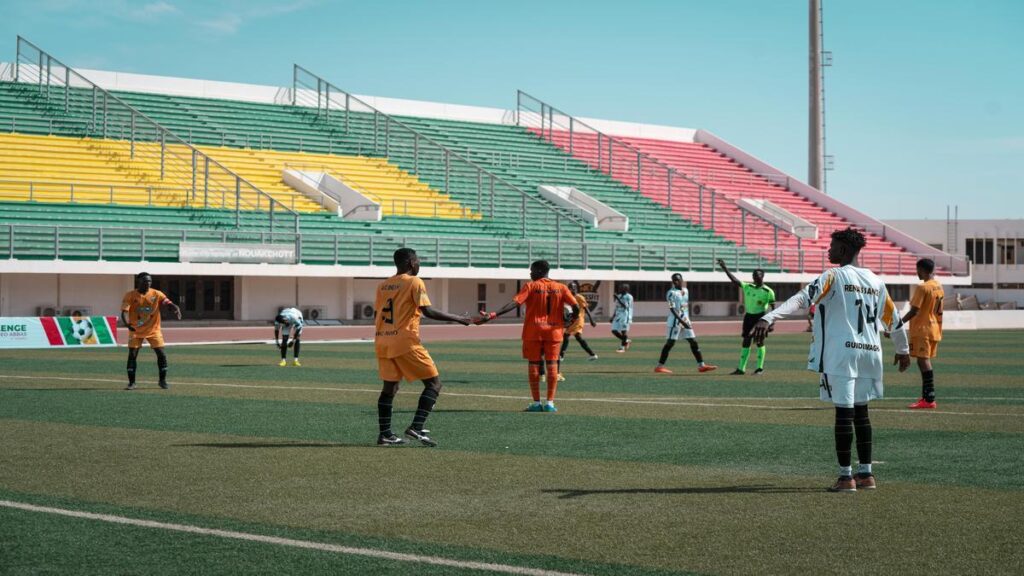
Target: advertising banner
(53, 331)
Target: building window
(937, 245)
(899, 292)
(980, 250)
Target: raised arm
(732, 278)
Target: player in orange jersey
(142, 306)
(401, 301)
(543, 328)
(925, 319)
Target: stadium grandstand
(245, 198)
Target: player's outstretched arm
(590, 317)
(174, 308)
(444, 316)
(488, 316)
(732, 278)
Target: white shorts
(675, 330)
(620, 325)
(846, 391)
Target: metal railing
(76, 106)
(110, 243)
(649, 176)
(337, 112)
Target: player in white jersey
(851, 305)
(622, 317)
(288, 323)
(679, 324)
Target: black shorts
(749, 320)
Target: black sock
(928, 385)
(583, 343)
(384, 412)
(844, 435)
(561, 355)
(161, 364)
(665, 350)
(427, 400)
(862, 425)
(284, 347)
(695, 348)
(132, 362)
(625, 337)
(296, 346)
(617, 334)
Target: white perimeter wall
(22, 294)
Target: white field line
(306, 544)
(304, 342)
(522, 398)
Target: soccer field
(637, 474)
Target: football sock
(552, 380)
(863, 468)
(284, 347)
(844, 435)
(583, 343)
(695, 349)
(862, 425)
(534, 373)
(744, 355)
(161, 363)
(625, 338)
(665, 350)
(618, 335)
(427, 400)
(928, 385)
(132, 361)
(761, 352)
(384, 403)
(297, 344)
(846, 470)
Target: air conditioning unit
(313, 313)
(363, 311)
(739, 309)
(47, 311)
(77, 311)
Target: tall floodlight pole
(816, 126)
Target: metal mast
(816, 124)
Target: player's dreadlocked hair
(853, 239)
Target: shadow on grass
(568, 493)
(274, 445)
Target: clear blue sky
(925, 100)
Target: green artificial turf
(637, 474)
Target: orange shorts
(924, 348)
(155, 341)
(415, 364)
(537, 350)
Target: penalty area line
(305, 544)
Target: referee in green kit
(757, 299)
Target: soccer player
(401, 301)
(850, 304)
(622, 317)
(543, 328)
(142, 306)
(288, 324)
(679, 324)
(757, 297)
(925, 320)
(575, 328)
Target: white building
(995, 247)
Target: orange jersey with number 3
(398, 303)
(545, 302)
(144, 312)
(927, 323)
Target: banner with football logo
(52, 331)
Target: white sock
(846, 470)
(864, 468)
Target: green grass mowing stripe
(914, 456)
(92, 540)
